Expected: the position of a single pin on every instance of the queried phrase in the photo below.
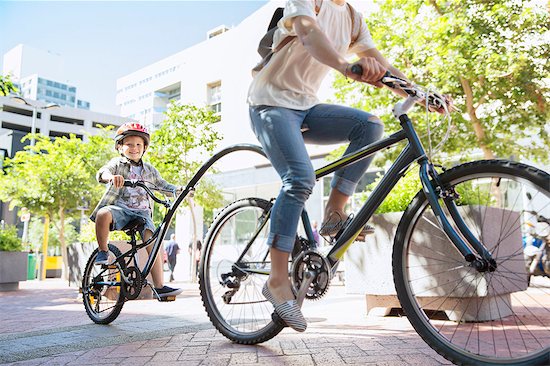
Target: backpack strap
(318, 4)
(356, 19)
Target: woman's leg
(278, 130)
(332, 124)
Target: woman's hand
(441, 110)
(373, 71)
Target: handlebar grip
(358, 70)
(129, 183)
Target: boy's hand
(117, 180)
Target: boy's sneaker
(168, 291)
(102, 257)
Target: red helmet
(131, 129)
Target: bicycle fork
(483, 261)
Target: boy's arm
(107, 174)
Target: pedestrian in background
(197, 255)
(172, 250)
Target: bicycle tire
(103, 303)
(243, 316)
(471, 317)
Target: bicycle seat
(134, 226)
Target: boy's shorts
(122, 216)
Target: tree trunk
(476, 123)
(193, 239)
(65, 268)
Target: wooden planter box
(369, 267)
(13, 268)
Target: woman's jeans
(279, 131)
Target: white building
(215, 72)
(17, 121)
(40, 75)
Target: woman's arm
(320, 47)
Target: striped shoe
(289, 311)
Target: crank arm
(308, 278)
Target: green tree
(6, 85)
(491, 56)
(53, 177)
(186, 138)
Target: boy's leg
(157, 270)
(103, 221)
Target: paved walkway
(44, 323)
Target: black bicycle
(105, 288)
(458, 261)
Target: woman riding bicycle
(285, 114)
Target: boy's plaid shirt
(121, 166)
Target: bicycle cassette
(313, 261)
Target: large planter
(77, 257)
(13, 268)
(369, 267)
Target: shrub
(405, 190)
(9, 241)
(400, 196)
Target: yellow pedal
(167, 299)
(111, 266)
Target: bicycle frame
(414, 151)
(161, 230)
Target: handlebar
(139, 183)
(434, 99)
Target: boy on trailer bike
(121, 205)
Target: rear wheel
(102, 294)
(477, 317)
(234, 267)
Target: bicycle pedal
(167, 299)
(277, 319)
(108, 266)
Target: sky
(101, 41)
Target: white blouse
(292, 77)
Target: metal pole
(33, 124)
(45, 246)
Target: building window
(214, 97)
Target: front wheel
(102, 293)
(235, 265)
(476, 317)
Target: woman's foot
(337, 220)
(288, 310)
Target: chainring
(132, 289)
(311, 260)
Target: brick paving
(44, 323)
